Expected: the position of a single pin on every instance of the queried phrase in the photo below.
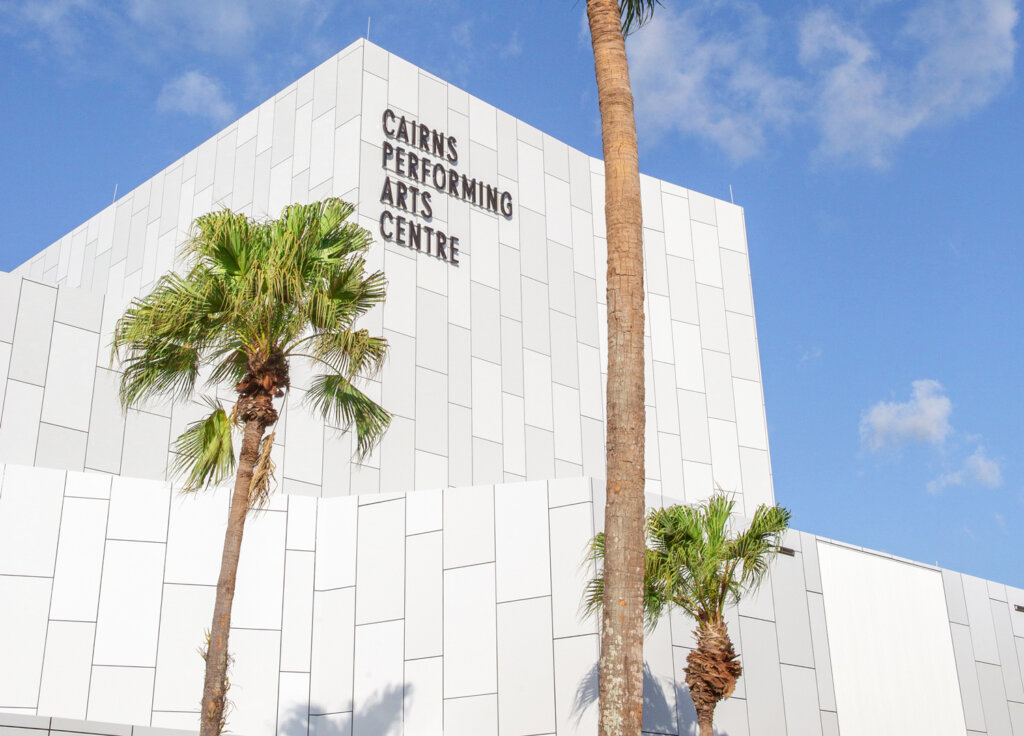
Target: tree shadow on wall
(659, 714)
(381, 716)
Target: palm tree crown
(257, 294)
(695, 562)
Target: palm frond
(693, 561)
(635, 13)
(204, 452)
(262, 474)
(594, 592)
(343, 405)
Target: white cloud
(978, 469)
(218, 27)
(924, 418)
(811, 355)
(194, 93)
(713, 70)
(221, 26)
(869, 99)
(710, 79)
(513, 47)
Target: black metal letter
(385, 215)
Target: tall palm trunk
(215, 684)
(621, 663)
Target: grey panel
(145, 445)
(993, 697)
(533, 245)
(593, 447)
(486, 332)
(19, 720)
(79, 308)
(764, 684)
(587, 328)
(10, 289)
(31, 348)
(88, 266)
(540, 453)
(561, 294)
(511, 356)
(730, 718)
(1017, 718)
(152, 731)
(829, 723)
(812, 571)
(801, 699)
(956, 604)
(60, 447)
(460, 445)
(460, 387)
(979, 614)
(100, 272)
(511, 296)
(136, 243)
(579, 179)
(822, 658)
(122, 223)
(1007, 651)
(970, 691)
(1020, 652)
(536, 327)
(564, 367)
(94, 727)
(791, 617)
(106, 425)
(431, 330)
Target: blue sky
(876, 146)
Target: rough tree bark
(712, 670)
(621, 663)
(257, 413)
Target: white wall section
(892, 656)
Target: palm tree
(695, 562)
(621, 663)
(255, 295)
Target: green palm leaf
(635, 13)
(344, 405)
(693, 560)
(204, 452)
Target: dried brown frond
(262, 475)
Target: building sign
(420, 163)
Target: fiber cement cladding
(497, 364)
(456, 611)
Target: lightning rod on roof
(368, 27)
(115, 194)
(730, 195)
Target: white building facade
(434, 588)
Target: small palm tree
(255, 295)
(695, 562)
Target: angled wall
(458, 610)
(497, 364)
